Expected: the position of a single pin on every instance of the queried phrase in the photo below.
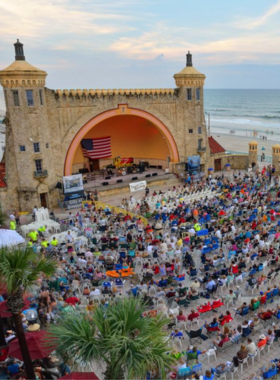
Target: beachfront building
(45, 127)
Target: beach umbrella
(222, 212)
(36, 342)
(210, 169)
(263, 148)
(80, 376)
(227, 164)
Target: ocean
(244, 112)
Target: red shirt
(72, 300)
(181, 317)
(193, 316)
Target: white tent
(10, 238)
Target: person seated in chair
(212, 324)
(220, 369)
(220, 341)
(241, 308)
(265, 315)
(193, 315)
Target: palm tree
(20, 269)
(117, 336)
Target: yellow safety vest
(44, 244)
(12, 225)
(197, 227)
(54, 242)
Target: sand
(240, 143)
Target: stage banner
(137, 186)
(73, 183)
(193, 164)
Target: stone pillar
(253, 152)
(276, 158)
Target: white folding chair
(211, 352)
(242, 362)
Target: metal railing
(40, 173)
(201, 149)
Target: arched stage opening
(134, 133)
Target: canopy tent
(9, 238)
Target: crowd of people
(207, 258)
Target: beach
(235, 143)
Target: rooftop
(215, 147)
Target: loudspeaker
(153, 166)
(83, 170)
(105, 183)
(159, 167)
(119, 181)
(108, 177)
(134, 178)
(58, 185)
(148, 175)
(154, 174)
(129, 170)
(141, 166)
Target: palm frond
(129, 344)
(20, 268)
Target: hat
(262, 336)
(261, 293)
(35, 327)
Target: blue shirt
(13, 369)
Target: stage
(151, 176)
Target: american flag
(97, 148)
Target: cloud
(173, 44)
(40, 19)
(257, 22)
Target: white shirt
(95, 292)
(69, 238)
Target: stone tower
(253, 152)
(276, 158)
(29, 171)
(190, 82)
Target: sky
(91, 44)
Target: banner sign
(137, 186)
(193, 164)
(73, 183)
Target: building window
(6, 98)
(200, 143)
(189, 94)
(16, 98)
(190, 130)
(41, 97)
(22, 148)
(36, 147)
(47, 145)
(29, 98)
(199, 130)
(38, 165)
(198, 94)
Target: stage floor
(126, 179)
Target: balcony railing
(201, 149)
(40, 173)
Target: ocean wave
(241, 121)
